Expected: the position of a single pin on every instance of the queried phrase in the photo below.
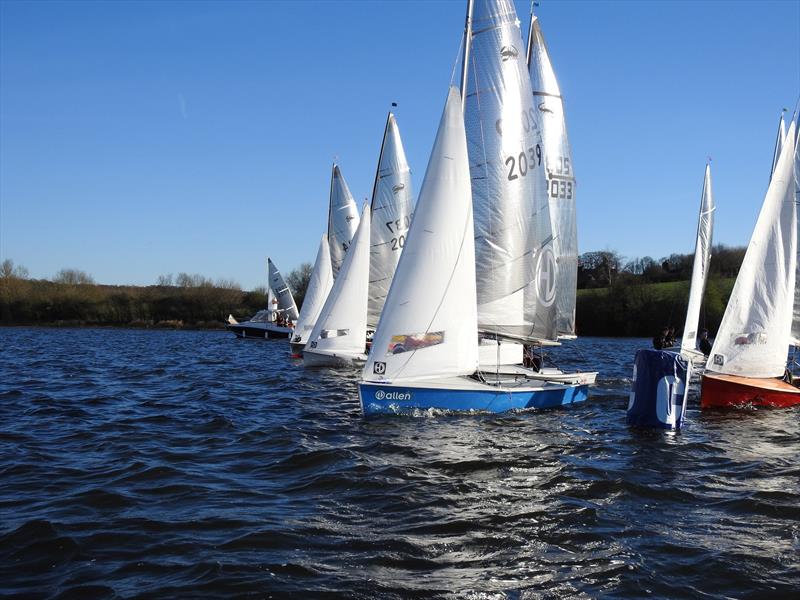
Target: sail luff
(779, 137)
(702, 256)
(795, 335)
(753, 337)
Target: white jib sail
(283, 294)
(391, 217)
(513, 235)
(561, 187)
(702, 257)
(342, 323)
(342, 219)
(753, 338)
(317, 291)
(272, 303)
(429, 324)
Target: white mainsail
(317, 291)
(796, 307)
(561, 186)
(283, 294)
(754, 335)
(342, 219)
(515, 262)
(429, 322)
(342, 322)
(391, 217)
(702, 256)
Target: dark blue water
(161, 464)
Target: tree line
(616, 297)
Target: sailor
(660, 340)
(669, 341)
(704, 343)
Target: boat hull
(731, 391)
(315, 358)
(259, 332)
(378, 398)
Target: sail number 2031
(519, 166)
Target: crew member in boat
(669, 340)
(660, 340)
(704, 343)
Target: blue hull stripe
(377, 399)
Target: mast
(530, 35)
(465, 59)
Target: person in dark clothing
(660, 340)
(669, 340)
(704, 343)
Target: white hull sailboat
(339, 334)
(274, 322)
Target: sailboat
(274, 322)
(460, 274)
(749, 354)
(319, 286)
(702, 257)
(392, 210)
(342, 219)
(339, 334)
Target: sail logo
(507, 52)
(381, 395)
(379, 368)
(546, 277)
(398, 187)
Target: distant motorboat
(275, 321)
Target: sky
(145, 138)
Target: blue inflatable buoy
(659, 389)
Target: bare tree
(73, 277)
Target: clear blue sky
(156, 137)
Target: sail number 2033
(519, 166)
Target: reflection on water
(192, 464)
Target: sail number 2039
(519, 166)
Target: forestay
(283, 294)
(342, 219)
(754, 335)
(391, 216)
(561, 187)
(317, 291)
(513, 237)
(428, 328)
(342, 323)
(702, 257)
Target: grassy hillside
(642, 309)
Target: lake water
(161, 464)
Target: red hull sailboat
(748, 359)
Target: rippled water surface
(191, 464)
